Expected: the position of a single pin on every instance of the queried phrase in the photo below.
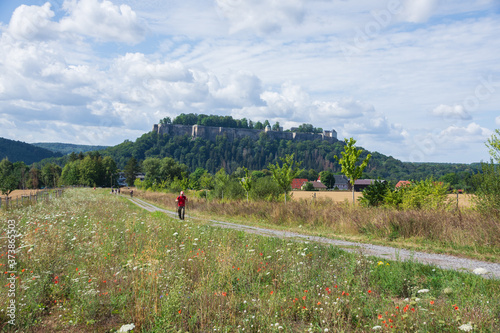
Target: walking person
(181, 205)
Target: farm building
(298, 182)
(341, 182)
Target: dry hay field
(464, 200)
(19, 193)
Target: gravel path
(486, 269)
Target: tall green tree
(50, 174)
(348, 161)
(152, 168)
(71, 173)
(488, 193)
(131, 170)
(8, 179)
(284, 174)
(327, 178)
(110, 171)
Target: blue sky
(418, 80)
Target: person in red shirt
(181, 203)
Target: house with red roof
(298, 182)
(403, 183)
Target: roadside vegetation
(92, 261)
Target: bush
(427, 194)
(374, 195)
(265, 188)
(488, 193)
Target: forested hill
(20, 151)
(67, 148)
(257, 154)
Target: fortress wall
(211, 133)
(307, 136)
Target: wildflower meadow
(94, 262)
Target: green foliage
(425, 194)
(348, 161)
(308, 186)
(21, 151)
(375, 194)
(327, 178)
(308, 128)
(246, 182)
(92, 170)
(488, 193)
(493, 145)
(131, 169)
(50, 174)
(67, 148)
(283, 175)
(209, 120)
(8, 179)
(265, 188)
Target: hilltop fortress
(211, 133)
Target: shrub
(488, 194)
(374, 195)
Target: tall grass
(464, 231)
(91, 261)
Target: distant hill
(257, 154)
(21, 151)
(67, 148)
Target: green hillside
(20, 151)
(315, 155)
(67, 148)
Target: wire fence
(32, 198)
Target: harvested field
(464, 200)
(19, 193)
(337, 196)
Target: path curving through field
(384, 252)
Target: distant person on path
(132, 193)
(181, 203)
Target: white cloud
(451, 112)
(261, 15)
(103, 21)
(32, 22)
(456, 135)
(417, 11)
(497, 120)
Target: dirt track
(384, 252)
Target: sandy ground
(464, 200)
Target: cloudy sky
(415, 79)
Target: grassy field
(463, 232)
(92, 262)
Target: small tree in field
(348, 161)
(488, 193)
(493, 145)
(246, 182)
(285, 174)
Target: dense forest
(315, 156)
(67, 148)
(20, 151)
